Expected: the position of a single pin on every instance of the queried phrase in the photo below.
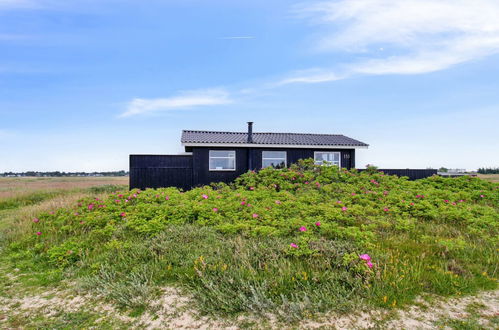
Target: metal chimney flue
(250, 132)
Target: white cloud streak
(238, 37)
(184, 100)
(416, 36)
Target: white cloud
(188, 99)
(310, 77)
(417, 36)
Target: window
(327, 158)
(222, 160)
(274, 158)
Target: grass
(489, 177)
(233, 263)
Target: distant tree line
(60, 174)
(488, 170)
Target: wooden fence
(157, 171)
(412, 174)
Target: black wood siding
(156, 171)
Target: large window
(327, 158)
(274, 158)
(222, 160)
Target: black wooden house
(223, 156)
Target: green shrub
(285, 241)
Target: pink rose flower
(278, 202)
(344, 208)
(293, 245)
(255, 215)
(369, 264)
(204, 196)
(365, 257)
(36, 220)
(303, 228)
(318, 224)
(215, 209)
(39, 233)
(90, 206)
(123, 214)
(167, 198)
(386, 209)
(243, 203)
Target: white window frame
(328, 163)
(222, 169)
(285, 157)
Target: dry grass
(16, 187)
(489, 177)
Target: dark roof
(270, 138)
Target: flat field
(489, 177)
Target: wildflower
(120, 195)
(411, 203)
(365, 257)
(90, 206)
(252, 188)
(353, 194)
(344, 208)
(317, 184)
(167, 198)
(51, 212)
(255, 215)
(135, 195)
(482, 196)
(278, 202)
(369, 264)
(39, 233)
(248, 205)
(123, 214)
(446, 201)
(318, 224)
(117, 201)
(461, 200)
(215, 209)
(36, 220)
(204, 196)
(338, 202)
(293, 245)
(303, 228)
(76, 213)
(453, 203)
(306, 182)
(385, 192)
(386, 209)
(243, 203)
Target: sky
(83, 84)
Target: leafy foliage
(281, 240)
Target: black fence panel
(412, 174)
(157, 171)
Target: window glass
(327, 158)
(221, 160)
(274, 158)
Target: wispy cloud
(184, 100)
(311, 76)
(414, 36)
(238, 37)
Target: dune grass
(285, 242)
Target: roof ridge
(228, 132)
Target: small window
(274, 158)
(222, 160)
(327, 158)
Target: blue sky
(83, 84)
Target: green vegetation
(282, 241)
